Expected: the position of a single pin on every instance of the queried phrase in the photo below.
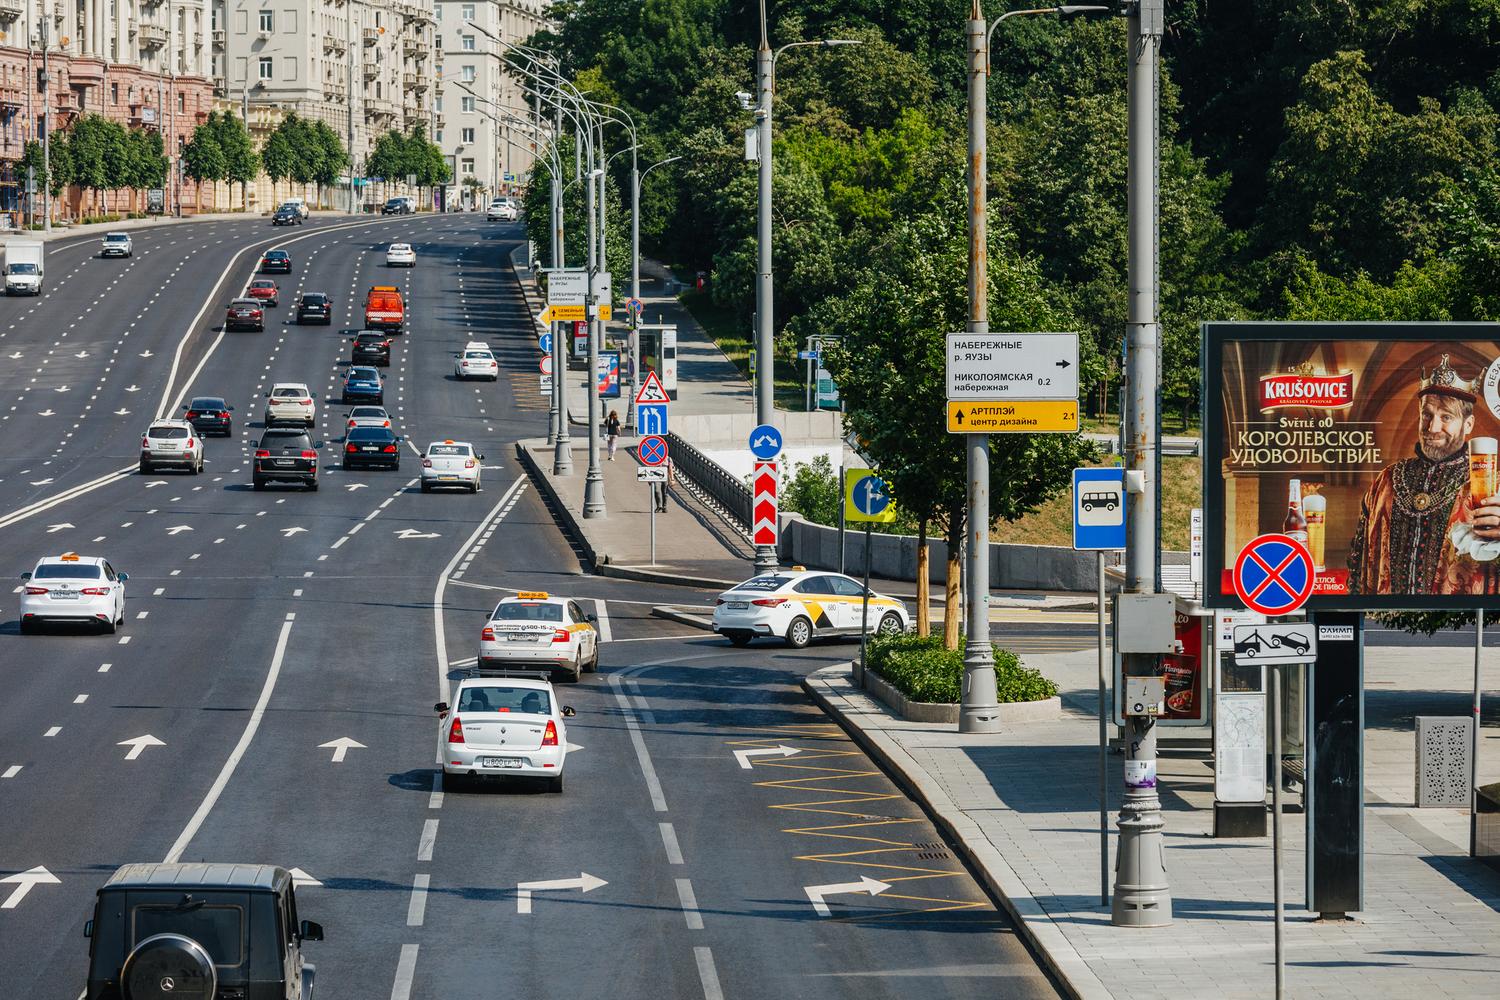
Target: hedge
(920, 668)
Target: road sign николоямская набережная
(999, 383)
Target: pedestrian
(612, 431)
(659, 490)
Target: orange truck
(384, 309)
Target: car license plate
(284, 461)
(520, 637)
(65, 595)
(447, 477)
(507, 762)
(738, 605)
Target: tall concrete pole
(593, 485)
(978, 711)
(765, 363)
(1142, 897)
(635, 281)
(46, 127)
(562, 455)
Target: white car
(502, 726)
(367, 416)
(400, 255)
(290, 403)
(799, 605)
(476, 361)
(117, 245)
(171, 443)
(299, 204)
(502, 210)
(450, 463)
(76, 589)
(536, 631)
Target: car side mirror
(310, 930)
(124, 577)
(568, 711)
(318, 444)
(88, 928)
(481, 458)
(590, 618)
(184, 406)
(229, 408)
(441, 706)
(26, 575)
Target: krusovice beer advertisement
(1376, 445)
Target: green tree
(241, 164)
(100, 155)
(333, 158)
(278, 156)
(203, 157)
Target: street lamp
(765, 381)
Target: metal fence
(718, 488)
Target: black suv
(285, 455)
(287, 216)
(315, 306)
(199, 931)
(372, 348)
(396, 206)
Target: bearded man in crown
(1403, 543)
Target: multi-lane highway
(270, 696)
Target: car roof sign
(532, 595)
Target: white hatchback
(73, 589)
(476, 361)
(502, 210)
(400, 255)
(290, 403)
(502, 726)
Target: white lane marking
(80, 699)
(435, 800)
(669, 841)
(416, 910)
(141, 614)
(12, 771)
(642, 755)
(124, 640)
(104, 667)
(428, 839)
(406, 971)
(53, 731)
(689, 904)
(341, 541)
(158, 591)
(227, 772)
(707, 975)
(297, 592)
(606, 634)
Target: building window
(437, 104)
(466, 135)
(468, 74)
(114, 93)
(465, 104)
(466, 167)
(466, 42)
(267, 20)
(181, 103)
(466, 12)
(265, 67)
(438, 137)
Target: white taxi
(799, 605)
(451, 463)
(290, 403)
(537, 631)
(476, 361)
(502, 725)
(73, 589)
(400, 255)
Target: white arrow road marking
(289, 532)
(81, 354)
(47, 412)
(866, 885)
(584, 882)
(356, 486)
(743, 756)
(122, 412)
(413, 533)
(156, 482)
(139, 744)
(300, 878)
(42, 482)
(178, 529)
(60, 388)
(341, 746)
(145, 354)
(51, 528)
(132, 388)
(24, 881)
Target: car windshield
(301, 441)
(502, 698)
(370, 434)
(765, 584)
(219, 928)
(116, 238)
(400, 247)
(363, 373)
(168, 433)
(263, 283)
(276, 255)
(440, 450)
(314, 299)
(67, 571)
(371, 338)
(23, 269)
(485, 355)
(288, 393)
(525, 611)
(206, 403)
(367, 411)
(244, 304)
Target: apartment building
(363, 66)
(144, 63)
(489, 154)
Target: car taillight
(190, 442)
(488, 635)
(145, 443)
(34, 591)
(426, 463)
(385, 343)
(560, 635)
(386, 424)
(468, 463)
(95, 591)
(719, 600)
(190, 415)
(766, 602)
(304, 402)
(351, 423)
(262, 453)
(390, 449)
(350, 448)
(456, 731)
(309, 454)
(549, 735)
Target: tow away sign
(992, 367)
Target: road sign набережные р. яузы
(1037, 416)
(1099, 509)
(1273, 575)
(1010, 366)
(765, 443)
(866, 498)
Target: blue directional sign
(545, 342)
(869, 496)
(651, 418)
(1099, 509)
(765, 443)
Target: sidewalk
(1022, 807)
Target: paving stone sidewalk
(1022, 805)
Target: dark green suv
(199, 932)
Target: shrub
(920, 668)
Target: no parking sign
(1274, 575)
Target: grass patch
(1182, 488)
(920, 668)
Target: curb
(568, 522)
(642, 575)
(1046, 941)
(683, 618)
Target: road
(263, 625)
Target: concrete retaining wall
(734, 428)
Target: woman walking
(612, 431)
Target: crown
(1305, 368)
(1445, 379)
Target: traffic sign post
(867, 499)
(651, 406)
(544, 342)
(1273, 575)
(1275, 643)
(764, 529)
(1025, 416)
(544, 363)
(765, 443)
(652, 450)
(1010, 366)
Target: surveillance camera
(744, 98)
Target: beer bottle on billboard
(1315, 507)
(1295, 524)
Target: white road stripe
(416, 910)
(435, 800)
(429, 838)
(707, 975)
(689, 904)
(12, 771)
(605, 633)
(406, 971)
(642, 755)
(669, 841)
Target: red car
(264, 290)
(244, 314)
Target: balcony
(219, 87)
(410, 46)
(371, 35)
(379, 107)
(153, 36)
(371, 70)
(414, 81)
(333, 43)
(11, 9)
(219, 39)
(335, 91)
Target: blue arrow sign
(545, 342)
(765, 443)
(651, 418)
(870, 496)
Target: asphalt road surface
(263, 625)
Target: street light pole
(46, 131)
(562, 454)
(1142, 896)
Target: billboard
(1375, 444)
